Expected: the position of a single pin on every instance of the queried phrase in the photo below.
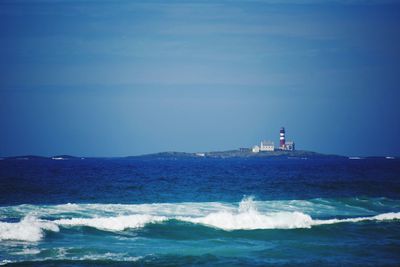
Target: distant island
(239, 153)
(265, 149)
(236, 153)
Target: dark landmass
(33, 157)
(25, 157)
(240, 154)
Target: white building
(289, 145)
(267, 146)
(256, 149)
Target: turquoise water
(212, 213)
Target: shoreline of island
(227, 154)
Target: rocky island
(240, 153)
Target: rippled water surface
(213, 212)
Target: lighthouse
(282, 141)
(283, 144)
(269, 146)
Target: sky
(118, 78)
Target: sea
(150, 211)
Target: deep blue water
(224, 212)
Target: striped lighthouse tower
(282, 138)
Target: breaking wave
(28, 229)
(119, 223)
(249, 218)
(229, 217)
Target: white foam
(380, 217)
(248, 218)
(27, 251)
(109, 256)
(4, 262)
(314, 207)
(253, 220)
(119, 223)
(248, 215)
(28, 229)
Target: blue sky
(117, 78)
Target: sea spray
(247, 205)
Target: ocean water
(200, 212)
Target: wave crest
(249, 218)
(252, 220)
(28, 229)
(248, 215)
(119, 223)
